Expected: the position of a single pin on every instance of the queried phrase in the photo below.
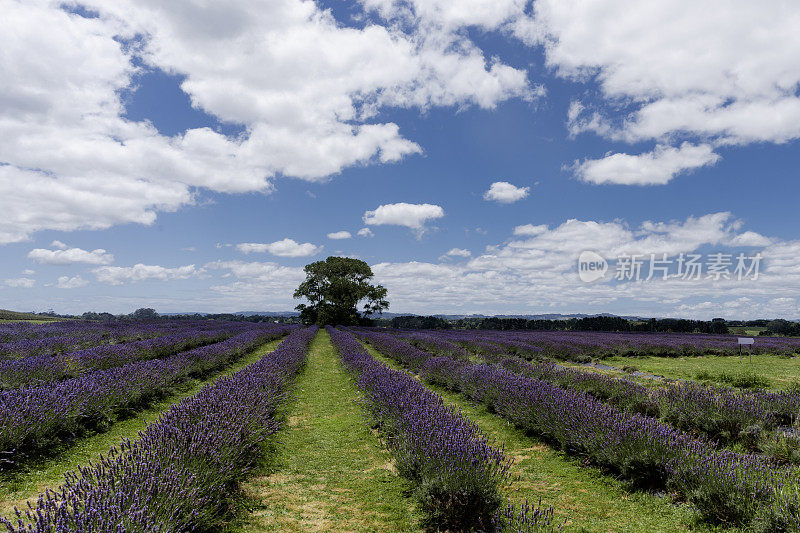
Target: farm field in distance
(292, 428)
(772, 371)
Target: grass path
(779, 372)
(584, 496)
(28, 482)
(330, 472)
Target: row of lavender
(577, 344)
(456, 474)
(725, 415)
(20, 339)
(182, 472)
(725, 486)
(41, 369)
(33, 418)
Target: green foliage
(144, 313)
(334, 288)
(419, 322)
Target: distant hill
(549, 316)
(17, 315)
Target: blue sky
(131, 173)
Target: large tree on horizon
(334, 288)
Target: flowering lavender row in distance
(724, 414)
(456, 473)
(181, 473)
(726, 486)
(31, 418)
(40, 369)
(598, 344)
(20, 340)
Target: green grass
(584, 496)
(751, 331)
(19, 485)
(16, 316)
(330, 471)
(779, 372)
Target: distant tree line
(781, 327)
(147, 313)
(594, 323)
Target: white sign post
(746, 341)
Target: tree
(334, 288)
(144, 313)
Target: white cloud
(750, 238)
(337, 235)
(257, 282)
(22, 283)
(67, 256)
(530, 229)
(487, 15)
(28, 272)
(652, 168)
(537, 273)
(412, 216)
(260, 271)
(741, 88)
(305, 88)
(114, 275)
(505, 193)
(365, 232)
(455, 252)
(66, 282)
(58, 244)
(282, 248)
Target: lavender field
(228, 438)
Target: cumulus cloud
(304, 88)
(67, 256)
(256, 281)
(741, 89)
(337, 235)
(536, 272)
(20, 283)
(750, 238)
(530, 229)
(455, 252)
(115, 275)
(412, 216)
(505, 193)
(365, 232)
(282, 248)
(652, 168)
(66, 282)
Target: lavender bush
(30, 419)
(726, 487)
(181, 474)
(40, 369)
(455, 472)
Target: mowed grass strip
(330, 471)
(587, 498)
(779, 372)
(26, 483)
